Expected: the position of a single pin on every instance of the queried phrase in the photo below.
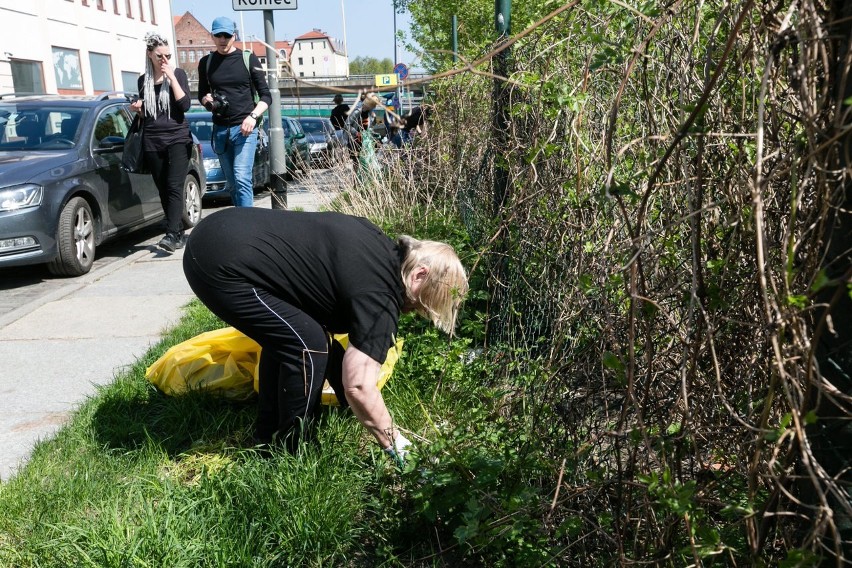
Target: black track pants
(294, 349)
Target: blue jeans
(236, 156)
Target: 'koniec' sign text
(265, 4)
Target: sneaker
(170, 242)
(181, 241)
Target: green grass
(138, 478)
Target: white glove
(399, 450)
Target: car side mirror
(110, 144)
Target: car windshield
(201, 126)
(33, 127)
(313, 126)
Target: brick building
(192, 42)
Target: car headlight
(21, 196)
(318, 146)
(211, 164)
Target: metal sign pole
(277, 156)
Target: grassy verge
(141, 479)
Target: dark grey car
(324, 145)
(62, 189)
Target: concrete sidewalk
(58, 348)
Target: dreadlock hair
(153, 103)
(440, 296)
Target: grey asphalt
(58, 347)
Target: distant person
(338, 118)
(358, 124)
(266, 273)
(227, 87)
(412, 124)
(166, 142)
(339, 113)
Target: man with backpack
(232, 85)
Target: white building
(77, 46)
(316, 54)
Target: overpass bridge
(319, 91)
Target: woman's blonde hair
(441, 294)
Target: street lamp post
(395, 61)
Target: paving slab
(59, 345)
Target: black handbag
(133, 159)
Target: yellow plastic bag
(225, 361)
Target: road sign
(401, 69)
(265, 4)
(386, 80)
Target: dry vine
(672, 258)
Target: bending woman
(286, 278)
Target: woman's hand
(136, 106)
(167, 69)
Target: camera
(219, 106)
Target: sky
(369, 32)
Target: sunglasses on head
(223, 34)
(161, 56)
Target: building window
(101, 6)
(85, 2)
(141, 12)
(313, 61)
(192, 57)
(182, 56)
(27, 76)
(101, 72)
(128, 8)
(152, 12)
(301, 73)
(301, 62)
(115, 6)
(130, 81)
(66, 66)
(199, 54)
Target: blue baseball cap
(224, 25)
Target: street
(25, 284)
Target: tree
(370, 66)
(431, 29)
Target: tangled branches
(674, 250)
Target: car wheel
(192, 202)
(75, 239)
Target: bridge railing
(329, 84)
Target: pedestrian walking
(166, 142)
(232, 85)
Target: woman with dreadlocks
(167, 143)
